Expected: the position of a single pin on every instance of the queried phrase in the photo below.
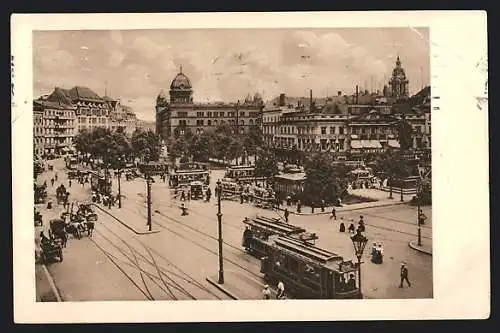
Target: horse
(58, 230)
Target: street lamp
(119, 184)
(419, 219)
(359, 242)
(148, 184)
(219, 219)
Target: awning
(393, 143)
(373, 144)
(356, 144)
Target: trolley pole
(219, 219)
(148, 183)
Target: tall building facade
(54, 127)
(178, 113)
(58, 117)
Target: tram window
(311, 273)
(280, 260)
(293, 265)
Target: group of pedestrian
(280, 292)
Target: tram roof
(308, 251)
(241, 167)
(274, 225)
(187, 172)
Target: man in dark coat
(404, 276)
(287, 213)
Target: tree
(200, 147)
(146, 145)
(253, 139)
(405, 134)
(235, 149)
(323, 182)
(392, 165)
(266, 164)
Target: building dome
(180, 82)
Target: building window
(242, 113)
(251, 121)
(209, 122)
(182, 114)
(200, 114)
(332, 130)
(221, 114)
(323, 130)
(341, 130)
(199, 122)
(242, 122)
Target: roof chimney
(282, 100)
(339, 93)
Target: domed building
(399, 82)
(180, 114)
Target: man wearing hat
(266, 293)
(404, 275)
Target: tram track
(162, 272)
(169, 218)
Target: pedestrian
(299, 206)
(55, 176)
(266, 292)
(69, 182)
(334, 214)
(281, 290)
(287, 213)
(351, 227)
(342, 227)
(421, 217)
(241, 198)
(374, 249)
(322, 206)
(351, 283)
(404, 276)
(52, 181)
(110, 201)
(361, 223)
(183, 196)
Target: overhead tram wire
(166, 272)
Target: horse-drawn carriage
(50, 251)
(75, 224)
(61, 194)
(40, 193)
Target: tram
(153, 168)
(183, 178)
(242, 173)
(261, 229)
(99, 183)
(309, 272)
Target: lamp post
(148, 184)
(119, 188)
(359, 242)
(419, 222)
(219, 219)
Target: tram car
(153, 168)
(259, 230)
(99, 183)
(197, 190)
(309, 272)
(183, 178)
(242, 173)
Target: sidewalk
(130, 220)
(424, 248)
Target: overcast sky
(226, 64)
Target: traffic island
(129, 226)
(238, 286)
(424, 249)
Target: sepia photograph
(244, 164)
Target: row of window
(100, 120)
(214, 122)
(52, 140)
(49, 131)
(218, 114)
(304, 143)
